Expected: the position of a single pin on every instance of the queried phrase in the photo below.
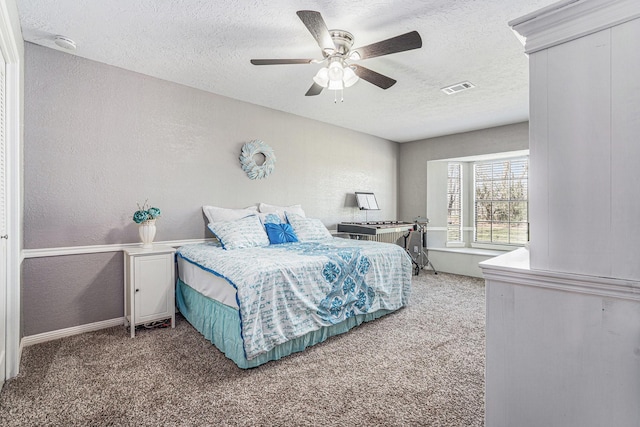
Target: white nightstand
(149, 280)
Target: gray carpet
(423, 365)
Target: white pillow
(308, 229)
(242, 233)
(271, 218)
(282, 210)
(216, 214)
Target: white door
(3, 223)
(153, 279)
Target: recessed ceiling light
(458, 87)
(65, 42)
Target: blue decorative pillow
(242, 233)
(280, 233)
(308, 229)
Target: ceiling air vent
(458, 87)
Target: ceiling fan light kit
(336, 71)
(336, 76)
(322, 77)
(350, 78)
(335, 46)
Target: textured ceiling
(208, 45)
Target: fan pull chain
(335, 96)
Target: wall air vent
(458, 87)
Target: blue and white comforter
(285, 291)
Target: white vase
(147, 230)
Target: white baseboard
(67, 332)
(462, 261)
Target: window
(454, 202)
(501, 202)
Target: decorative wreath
(249, 165)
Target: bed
(258, 303)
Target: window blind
(454, 202)
(501, 201)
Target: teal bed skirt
(220, 324)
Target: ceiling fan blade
(396, 44)
(318, 29)
(315, 89)
(280, 61)
(372, 77)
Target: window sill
(505, 248)
(455, 245)
(471, 251)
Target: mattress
(206, 283)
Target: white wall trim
(495, 247)
(94, 249)
(571, 19)
(469, 251)
(11, 44)
(455, 244)
(445, 228)
(513, 268)
(67, 332)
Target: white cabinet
(149, 277)
(562, 333)
(584, 127)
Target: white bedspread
(285, 291)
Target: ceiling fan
(336, 51)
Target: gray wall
(60, 292)
(99, 139)
(412, 178)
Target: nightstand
(149, 280)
